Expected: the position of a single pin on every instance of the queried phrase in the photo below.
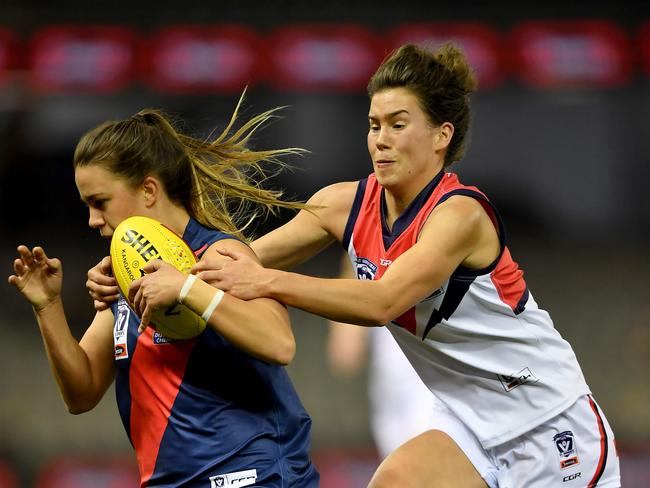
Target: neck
(399, 197)
(172, 216)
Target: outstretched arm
(83, 370)
(458, 232)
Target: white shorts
(575, 449)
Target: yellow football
(135, 242)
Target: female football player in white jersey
(433, 264)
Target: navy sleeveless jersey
(201, 412)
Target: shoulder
(460, 214)
(229, 243)
(335, 195)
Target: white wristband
(216, 299)
(189, 281)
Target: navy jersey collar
(404, 220)
(192, 234)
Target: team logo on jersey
(511, 382)
(566, 449)
(120, 329)
(366, 269)
(232, 480)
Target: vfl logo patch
(566, 449)
(238, 479)
(366, 269)
(511, 382)
(120, 329)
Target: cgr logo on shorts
(234, 480)
(572, 477)
(566, 449)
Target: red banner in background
(572, 54)
(322, 57)
(481, 44)
(92, 59)
(222, 59)
(202, 59)
(8, 56)
(644, 45)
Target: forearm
(259, 327)
(68, 361)
(361, 302)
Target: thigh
(431, 459)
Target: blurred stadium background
(561, 143)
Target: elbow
(381, 316)
(77, 407)
(282, 353)
(285, 352)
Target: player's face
(402, 141)
(108, 197)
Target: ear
(443, 136)
(152, 188)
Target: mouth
(383, 162)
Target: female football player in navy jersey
(215, 410)
(512, 406)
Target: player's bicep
(445, 242)
(292, 243)
(310, 231)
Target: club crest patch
(366, 269)
(566, 449)
(120, 329)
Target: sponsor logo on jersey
(566, 449)
(238, 479)
(158, 338)
(511, 382)
(366, 269)
(120, 329)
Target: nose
(95, 219)
(381, 139)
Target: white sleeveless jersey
(480, 343)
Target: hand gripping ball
(138, 240)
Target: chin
(386, 180)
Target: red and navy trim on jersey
(202, 408)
